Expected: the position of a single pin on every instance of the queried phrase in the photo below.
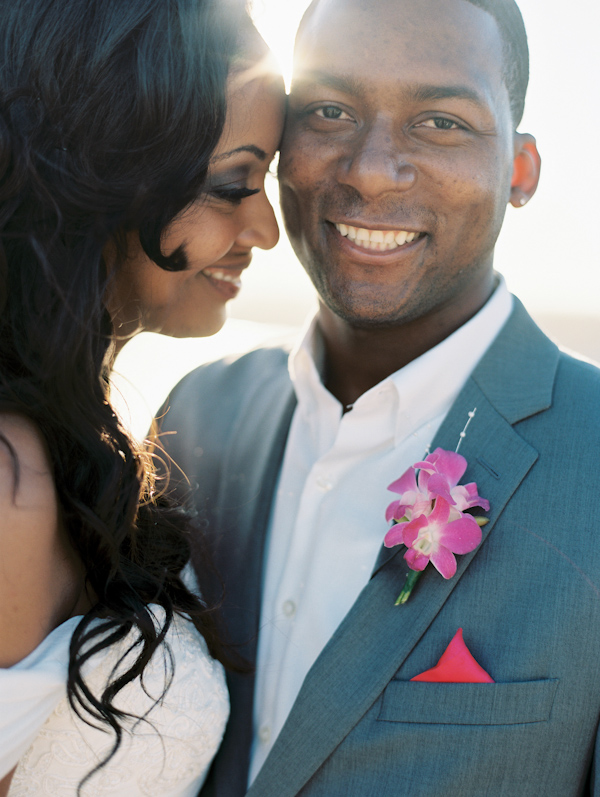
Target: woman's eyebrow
(257, 151)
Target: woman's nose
(259, 223)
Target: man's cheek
(301, 159)
(291, 210)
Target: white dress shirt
(328, 517)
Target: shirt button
(324, 484)
(289, 608)
(264, 734)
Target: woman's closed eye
(232, 193)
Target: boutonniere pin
(430, 517)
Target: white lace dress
(167, 755)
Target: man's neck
(357, 359)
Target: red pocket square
(456, 666)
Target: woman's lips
(226, 280)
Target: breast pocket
(468, 704)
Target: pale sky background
(549, 251)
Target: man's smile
(377, 240)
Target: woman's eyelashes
(232, 186)
(232, 194)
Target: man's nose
(376, 163)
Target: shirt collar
(427, 387)
(305, 365)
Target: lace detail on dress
(168, 754)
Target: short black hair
(515, 48)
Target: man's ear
(526, 170)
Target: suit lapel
(376, 637)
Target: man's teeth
(377, 240)
(223, 276)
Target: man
(399, 159)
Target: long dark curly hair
(109, 114)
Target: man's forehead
(327, 20)
(384, 40)
(388, 8)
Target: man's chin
(368, 316)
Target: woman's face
(218, 232)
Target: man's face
(397, 156)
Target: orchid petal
(427, 465)
(440, 513)
(463, 497)
(438, 485)
(455, 514)
(423, 481)
(461, 536)
(391, 512)
(406, 483)
(451, 465)
(466, 497)
(409, 497)
(416, 560)
(422, 506)
(444, 562)
(475, 499)
(433, 457)
(411, 530)
(395, 535)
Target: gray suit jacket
(528, 599)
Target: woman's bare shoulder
(36, 566)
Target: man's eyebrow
(257, 151)
(420, 93)
(343, 83)
(425, 93)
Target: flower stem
(411, 580)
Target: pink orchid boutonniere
(429, 517)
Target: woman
(128, 201)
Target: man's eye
(331, 112)
(440, 123)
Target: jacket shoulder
(228, 376)
(204, 406)
(580, 373)
(567, 433)
(577, 394)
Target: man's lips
(381, 240)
